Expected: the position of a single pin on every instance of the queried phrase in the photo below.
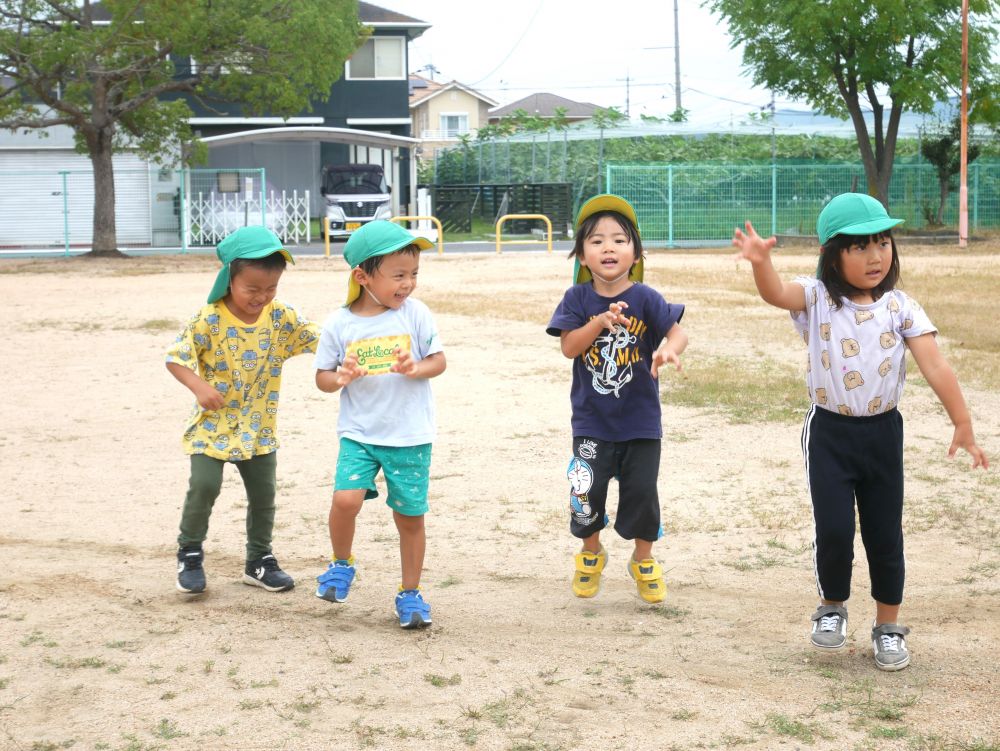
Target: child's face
(250, 291)
(392, 282)
(608, 252)
(865, 264)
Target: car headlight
(383, 212)
(335, 213)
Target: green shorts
(406, 470)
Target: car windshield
(355, 181)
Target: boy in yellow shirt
(230, 356)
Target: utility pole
(677, 59)
(963, 157)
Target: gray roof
(544, 104)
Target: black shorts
(636, 466)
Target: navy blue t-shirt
(614, 396)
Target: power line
(510, 52)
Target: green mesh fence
(701, 203)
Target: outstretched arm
(942, 379)
(574, 343)
(757, 250)
(671, 349)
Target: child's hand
(405, 364)
(209, 398)
(752, 246)
(661, 357)
(349, 371)
(614, 316)
(963, 438)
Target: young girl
(857, 328)
(611, 326)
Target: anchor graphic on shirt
(608, 378)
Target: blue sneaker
(413, 612)
(335, 582)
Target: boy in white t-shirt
(380, 351)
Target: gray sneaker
(829, 627)
(889, 644)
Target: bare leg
(343, 512)
(643, 550)
(412, 543)
(592, 544)
(886, 613)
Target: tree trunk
(105, 241)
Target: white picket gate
(212, 216)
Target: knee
(348, 502)
(205, 489)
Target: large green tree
(116, 71)
(846, 58)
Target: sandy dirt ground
(98, 650)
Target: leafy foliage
(884, 57)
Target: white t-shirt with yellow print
(243, 362)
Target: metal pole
(774, 198)
(677, 59)
(670, 206)
(963, 186)
(182, 213)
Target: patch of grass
(785, 726)
(439, 681)
(757, 563)
(747, 391)
(167, 730)
(157, 325)
(77, 663)
(451, 581)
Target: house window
(379, 57)
(453, 125)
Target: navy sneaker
(335, 582)
(190, 574)
(413, 612)
(265, 572)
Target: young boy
(381, 350)
(230, 356)
(611, 326)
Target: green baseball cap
(378, 238)
(853, 214)
(605, 202)
(248, 243)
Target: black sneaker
(190, 574)
(265, 572)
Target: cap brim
(607, 202)
(582, 275)
(863, 229)
(221, 286)
(354, 289)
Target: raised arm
(942, 379)
(574, 343)
(757, 250)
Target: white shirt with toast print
(857, 354)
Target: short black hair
(586, 229)
(829, 267)
(370, 265)
(274, 262)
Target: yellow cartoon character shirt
(243, 362)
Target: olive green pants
(205, 485)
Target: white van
(355, 194)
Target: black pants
(635, 464)
(848, 460)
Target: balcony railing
(445, 135)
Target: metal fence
(160, 208)
(698, 203)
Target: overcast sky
(585, 50)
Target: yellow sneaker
(648, 579)
(587, 577)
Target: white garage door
(38, 203)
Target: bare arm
(670, 350)
(334, 380)
(785, 295)
(208, 397)
(430, 366)
(574, 343)
(942, 379)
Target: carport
(357, 140)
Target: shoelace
(829, 623)
(890, 642)
(192, 562)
